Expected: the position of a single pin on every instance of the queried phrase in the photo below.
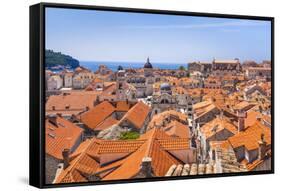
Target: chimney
(97, 101)
(53, 119)
(146, 168)
(241, 120)
(65, 155)
(262, 147)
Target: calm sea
(93, 65)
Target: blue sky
(115, 36)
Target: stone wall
(51, 165)
(265, 165)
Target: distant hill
(53, 59)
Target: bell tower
(148, 68)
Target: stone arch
(164, 101)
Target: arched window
(164, 101)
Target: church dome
(119, 68)
(147, 64)
(165, 86)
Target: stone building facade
(226, 67)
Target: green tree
(181, 68)
(129, 135)
(57, 58)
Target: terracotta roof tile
(162, 160)
(158, 119)
(97, 115)
(202, 104)
(251, 118)
(216, 125)
(60, 135)
(70, 103)
(119, 146)
(243, 105)
(123, 106)
(177, 129)
(203, 111)
(111, 164)
(175, 143)
(154, 133)
(108, 122)
(250, 136)
(137, 114)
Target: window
(213, 155)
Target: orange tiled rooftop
(111, 160)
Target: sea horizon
(113, 65)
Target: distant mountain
(55, 59)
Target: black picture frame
(37, 92)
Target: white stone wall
(68, 81)
(54, 83)
(82, 80)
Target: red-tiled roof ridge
(160, 136)
(137, 114)
(123, 106)
(157, 120)
(176, 128)
(75, 160)
(107, 123)
(132, 162)
(70, 102)
(150, 142)
(89, 88)
(155, 133)
(220, 123)
(97, 115)
(158, 155)
(221, 144)
(250, 136)
(109, 85)
(155, 145)
(63, 134)
(151, 148)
